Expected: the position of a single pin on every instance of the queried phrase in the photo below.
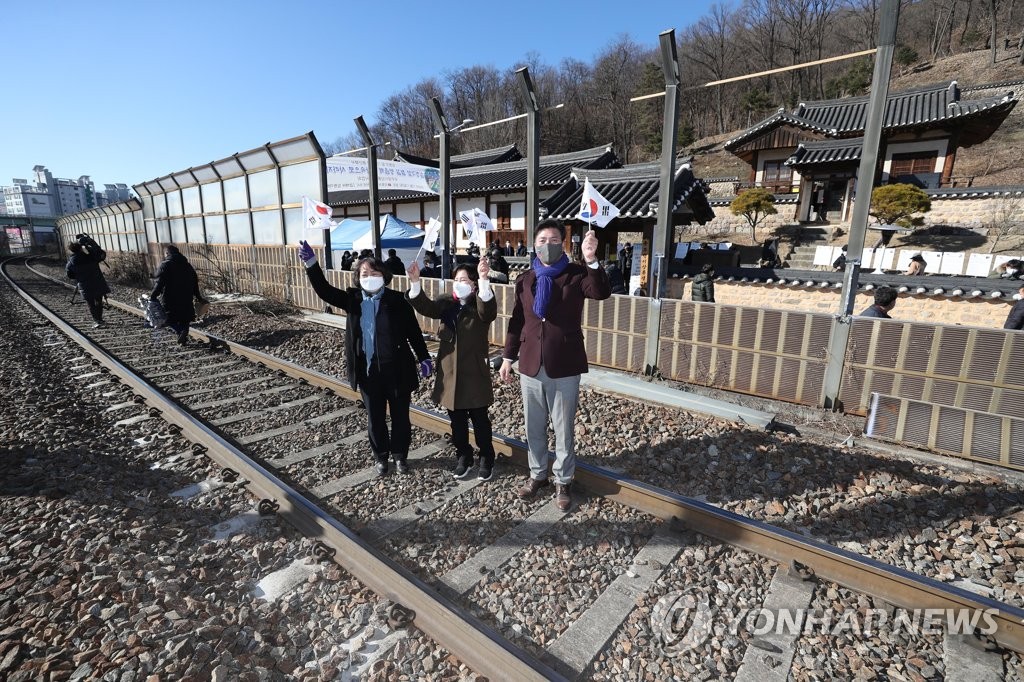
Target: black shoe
(382, 468)
(486, 470)
(183, 338)
(461, 470)
(401, 466)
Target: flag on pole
(594, 208)
(431, 233)
(315, 215)
(476, 223)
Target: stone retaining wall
(975, 312)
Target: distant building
(814, 151)
(49, 196)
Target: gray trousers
(544, 397)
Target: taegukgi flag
(315, 215)
(594, 208)
(431, 233)
(475, 222)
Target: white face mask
(462, 289)
(371, 285)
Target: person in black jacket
(394, 263)
(1015, 320)
(615, 277)
(177, 281)
(885, 300)
(84, 267)
(383, 344)
(703, 288)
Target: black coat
(406, 338)
(84, 267)
(176, 279)
(703, 288)
(615, 279)
(1015, 320)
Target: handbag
(156, 316)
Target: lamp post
(532, 150)
(445, 190)
(371, 161)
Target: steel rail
(894, 585)
(469, 639)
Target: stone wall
(970, 212)
(975, 312)
(975, 211)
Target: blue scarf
(545, 280)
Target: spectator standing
(916, 266)
(839, 264)
(1011, 269)
(545, 334)
(885, 300)
(508, 251)
(83, 266)
(1015, 320)
(177, 282)
(394, 263)
(473, 250)
(497, 262)
(383, 344)
(346, 261)
(703, 288)
(521, 249)
(626, 258)
(615, 280)
(462, 384)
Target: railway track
(618, 586)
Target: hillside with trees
(973, 41)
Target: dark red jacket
(557, 341)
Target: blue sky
(126, 92)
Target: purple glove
(306, 254)
(426, 368)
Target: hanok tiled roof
(780, 117)
(911, 108)
(792, 198)
(826, 152)
(632, 189)
(499, 177)
(484, 157)
(972, 192)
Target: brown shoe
(562, 497)
(530, 488)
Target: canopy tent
(355, 235)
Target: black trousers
(481, 429)
(382, 391)
(95, 304)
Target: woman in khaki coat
(462, 382)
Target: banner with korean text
(354, 174)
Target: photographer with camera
(84, 267)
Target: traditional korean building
(814, 151)
(634, 191)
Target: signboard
(354, 174)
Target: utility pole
(532, 152)
(445, 194)
(842, 322)
(371, 160)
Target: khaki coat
(462, 379)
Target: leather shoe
(562, 497)
(530, 488)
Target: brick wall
(975, 212)
(963, 311)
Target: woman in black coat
(176, 279)
(84, 267)
(379, 352)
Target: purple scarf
(545, 279)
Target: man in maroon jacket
(546, 335)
